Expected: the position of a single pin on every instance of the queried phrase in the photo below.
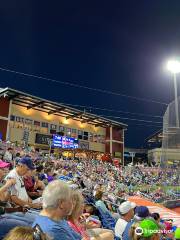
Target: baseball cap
(149, 227)
(28, 162)
(177, 234)
(125, 207)
(4, 164)
(142, 211)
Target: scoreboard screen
(65, 142)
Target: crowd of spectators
(47, 197)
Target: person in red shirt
(79, 224)
(33, 185)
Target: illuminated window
(19, 119)
(28, 121)
(74, 133)
(91, 137)
(61, 128)
(68, 132)
(44, 125)
(53, 127)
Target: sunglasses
(38, 233)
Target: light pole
(132, 154)
(174, 67)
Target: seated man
(18, 192)
(57, 205)
(6, 222)
(126, 209)
(33, 185)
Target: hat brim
(4, 165)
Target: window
(85, 136)
(74, 133)
(95, 138)
(103, 139)
(68, 132)
(44, 125)
(98, 138)
(61, 128)
(80, 134)
(19, 119)
(28, 124)
(91, 137)
(12, 118)
(19, 123)
(74, 130)
(53, 127)
(28, 121)
(36, 123)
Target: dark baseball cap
(28, 162)
(142, 211)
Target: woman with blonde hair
(80, 225)
(26, 233)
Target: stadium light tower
(174, 67)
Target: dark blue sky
(119, 46)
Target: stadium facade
(30, 119)
(155, 151)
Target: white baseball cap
(125, 207)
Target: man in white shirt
(126, 210)
(18, 192)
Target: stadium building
(34, 121)
(155, 150)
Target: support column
(123, 150)
(110, 141)
(8, 123)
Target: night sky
(120, 46)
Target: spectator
(141, 212)
(156, 217)
(4, 187)
(8, 156)
(99, 202)
(26, 233)
(40, 172)
(177, 234)
(91, 211)
(8, 220)
(80, 226)
(33, 186)
(17, 157)
(126, 210)
(49, 173)
(18, 192)
(57, 205)
(146, 229)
